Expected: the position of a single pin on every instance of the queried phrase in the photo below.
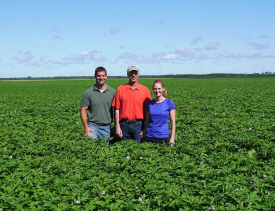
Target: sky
(49, 38)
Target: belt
(127, 121)
(101, 124)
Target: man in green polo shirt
(96, 107)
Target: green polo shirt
(99, 104)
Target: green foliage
(223, 156)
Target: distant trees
(212, 75)
(268, 73)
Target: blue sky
(72, 38)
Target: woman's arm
(173, 125)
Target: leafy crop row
(223, 158)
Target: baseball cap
(131, 68)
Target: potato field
(223, 159)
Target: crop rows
(223, 158)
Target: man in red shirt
(129, 102)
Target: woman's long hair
(164, 93)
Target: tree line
(212, 75)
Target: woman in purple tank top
(157, 117)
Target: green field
(223, 158)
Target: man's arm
(173, 125)
(146, 116)
(83, 115)
(118, 129)
(113, 129)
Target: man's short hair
(99, 69)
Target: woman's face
(158, 89)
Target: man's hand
(118, 131)
(83, 115)
(141, 134)
(87, 131)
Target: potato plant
(223, 158)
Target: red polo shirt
(131, 103)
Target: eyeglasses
(133, 72)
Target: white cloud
(204, 57)
(180, 54)
(155, 58)
(114, 30)
(132, 56)
(62, 62)
(23, 59)
(184, 52)
(256, 56)
(157, 54)
(50, 67)
(32, 64)
(259, 46)
(82, 58)
(246, 37)
(263, 36)
(170, 57)
(42, 58)
(236, 56)
(196, 40)
(212, 46)
(57, 37)
(56, 29)
(85, 56)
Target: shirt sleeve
(116, 101)
(147, 106)
(147, 99)
(171, 105)
(86, 99)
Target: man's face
(101, 77)
(133, 75)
